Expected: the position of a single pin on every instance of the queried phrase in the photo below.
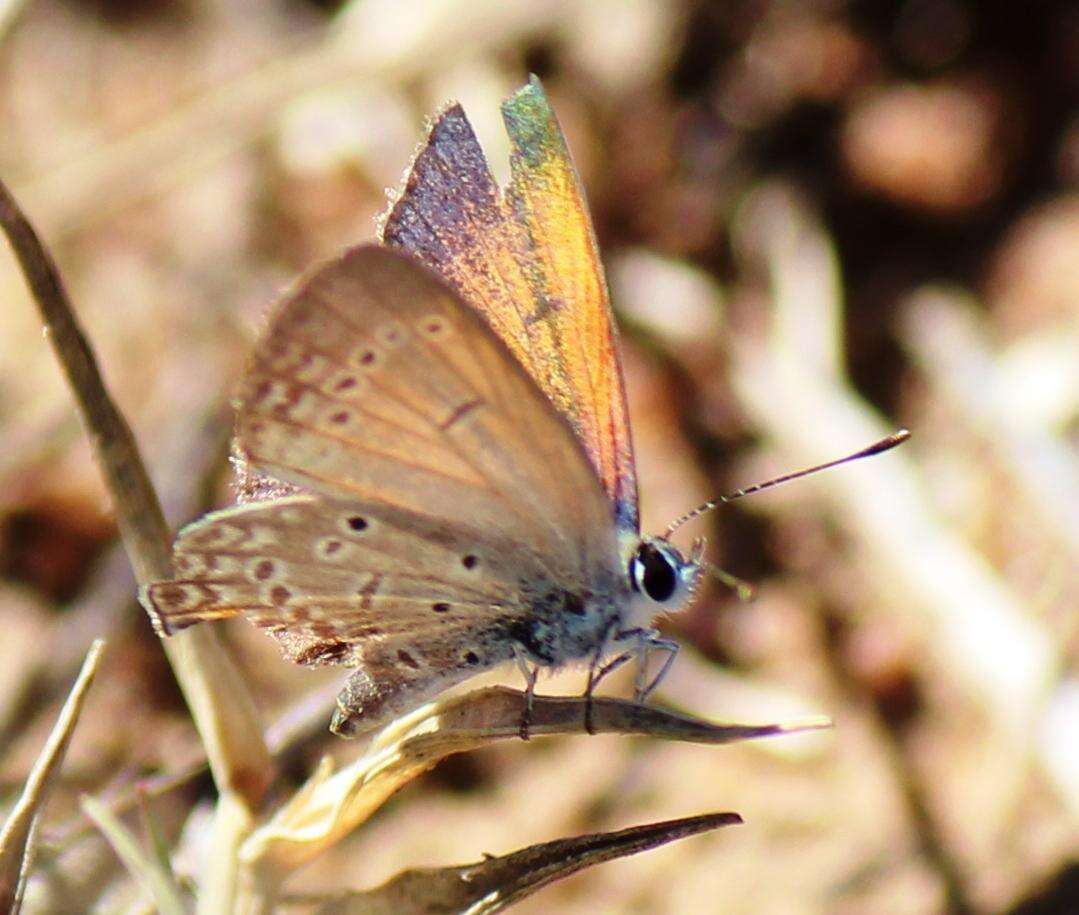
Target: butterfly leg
(597, 673)
(611, 666)
(530, 674)
(594, 679)
(654, 642)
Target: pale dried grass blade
(16, 838)
(148, 869)
(495, 884)
(330, 806)
(220, 703)
(221, 888)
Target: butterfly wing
(526, 259)
(446, 513)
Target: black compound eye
(654, 573)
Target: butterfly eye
(654, 573)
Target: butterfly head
(661, 577)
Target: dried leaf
(496, 883)
(16, 839)
(330, 806)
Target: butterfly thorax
(565, 624)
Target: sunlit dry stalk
(222, 708)
(19, 830)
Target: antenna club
(885, 444)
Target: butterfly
(442, 418)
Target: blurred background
(821, 221)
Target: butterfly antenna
(885, 444)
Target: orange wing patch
(526, 259)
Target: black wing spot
(441, 607)
(472, 659)
(470, 561)
(357, 523)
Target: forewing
(527, 260)
(440, 487)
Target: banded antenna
(885, 444)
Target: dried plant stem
(18, 833)
(220, 891)
(220, 703)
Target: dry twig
(18, 835)
(220, 703)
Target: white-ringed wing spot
(392, 334)
(436, 326)
(344, 385)
(262, 569)
(339, 417)
(276, 595)
(367, 357)
(354, 525)
(331, 549)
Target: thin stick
(18, 832)
(885, 444)
(220, 703)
